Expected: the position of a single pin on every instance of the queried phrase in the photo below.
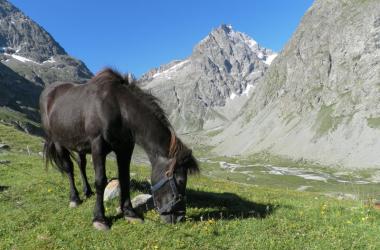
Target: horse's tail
(51, 156)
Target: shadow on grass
(219, 206)
(3, 188)
(226, 206)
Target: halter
(169, 178)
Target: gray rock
(112, 190)
(143, 202)
(320, 98)
(4, 147)
(208, 89)
(4, 162)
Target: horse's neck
(151, 132)
(154, 144)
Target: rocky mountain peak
(208, 88)
(225, 40)
(22, 36)
(32, 52)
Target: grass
(326, 122)
(19, 141)
(255, 170)
(288, 118)
(221, 214)
(214, 132)
(8, 115)
(373, 122)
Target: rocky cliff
(320, 99)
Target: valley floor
(258, 213)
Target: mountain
(320, 99)
(207, 90)
(30, 58)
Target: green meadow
(224, 211)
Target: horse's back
(74, 113)
(48, 97)
(56, 103)
(50, 92)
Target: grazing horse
(110, 113)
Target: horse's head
(169, 185)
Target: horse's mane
(182, 154)
(111, 75)
(152, 103)
(149, 100)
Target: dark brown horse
(107, 114)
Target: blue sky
(136, 36)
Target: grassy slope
(34, 213)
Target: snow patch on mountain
(173, 69)
(270, 59)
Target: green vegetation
(264, 170)
(214, 132)
(19, 141)
(221, 214)
(326, 122)
(373, 122)
(288, 118)
(8, 115)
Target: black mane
(110, 75)
(152, 103)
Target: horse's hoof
(74, 204)
(134, 219)
(101, 226)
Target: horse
(110, 113)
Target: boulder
(143, 202)
(112, 190)
(4, 147)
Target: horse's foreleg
(123, 162)
(98, 158)
(68, 168)
(82, 167)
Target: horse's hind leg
(123, 163)
(82, 167)
(68, 168)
